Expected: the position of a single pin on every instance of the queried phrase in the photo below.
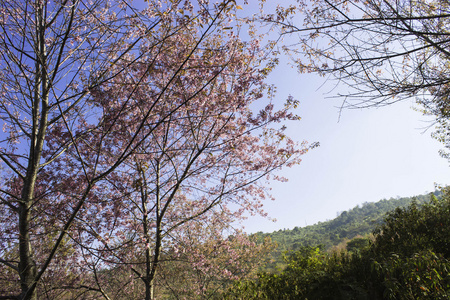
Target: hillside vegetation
(407, 257)
(360, 221)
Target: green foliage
(311, 273)
(357, 244)
(360, 221)
(411, 251)
(416, 228)
(407, 259)
(424, 275)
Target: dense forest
(406, 257)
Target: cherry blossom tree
(123, 125)
(212, 266)
(206, 156)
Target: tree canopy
(128, 134)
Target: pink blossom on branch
(200, 170)
(128, 129)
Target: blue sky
(365, 156)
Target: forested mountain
(359, 221)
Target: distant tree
(357, 244)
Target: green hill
(357, 222)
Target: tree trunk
(27, 264)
